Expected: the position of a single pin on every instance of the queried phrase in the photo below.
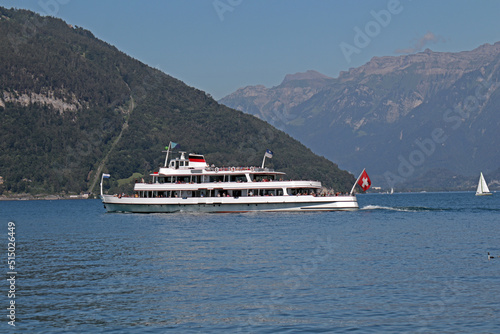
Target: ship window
(182, 179)
(269, 192)
(263, 177)
(238, 178)
(302, 191)
(216, 178)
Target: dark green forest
(73, 106)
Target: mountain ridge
(380, 111)
(311, 76)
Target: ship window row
(225, 193)
(213, 178)
(264, 178)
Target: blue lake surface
(403, 263)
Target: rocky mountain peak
(428, 61)
(381, 111)
(308, 75)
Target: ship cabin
(193, 177)
(193, 161)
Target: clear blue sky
(221, 45)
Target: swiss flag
(364, 181)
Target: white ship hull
(229, 204)
(190, 185)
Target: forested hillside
(72, 107)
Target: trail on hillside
(113, 145)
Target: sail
(482, 187)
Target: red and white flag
(364, 181)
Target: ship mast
(171, 145)
(268, 154)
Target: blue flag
(269, 153)
(171, 146)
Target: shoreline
(28, 197)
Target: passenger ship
(190, 184)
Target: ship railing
(238, 169)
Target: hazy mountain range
(422, 121)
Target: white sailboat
(482, 187)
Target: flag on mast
(171, 146)
(268, 154)
(104, 176)
(363, 181)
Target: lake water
(403, 263)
